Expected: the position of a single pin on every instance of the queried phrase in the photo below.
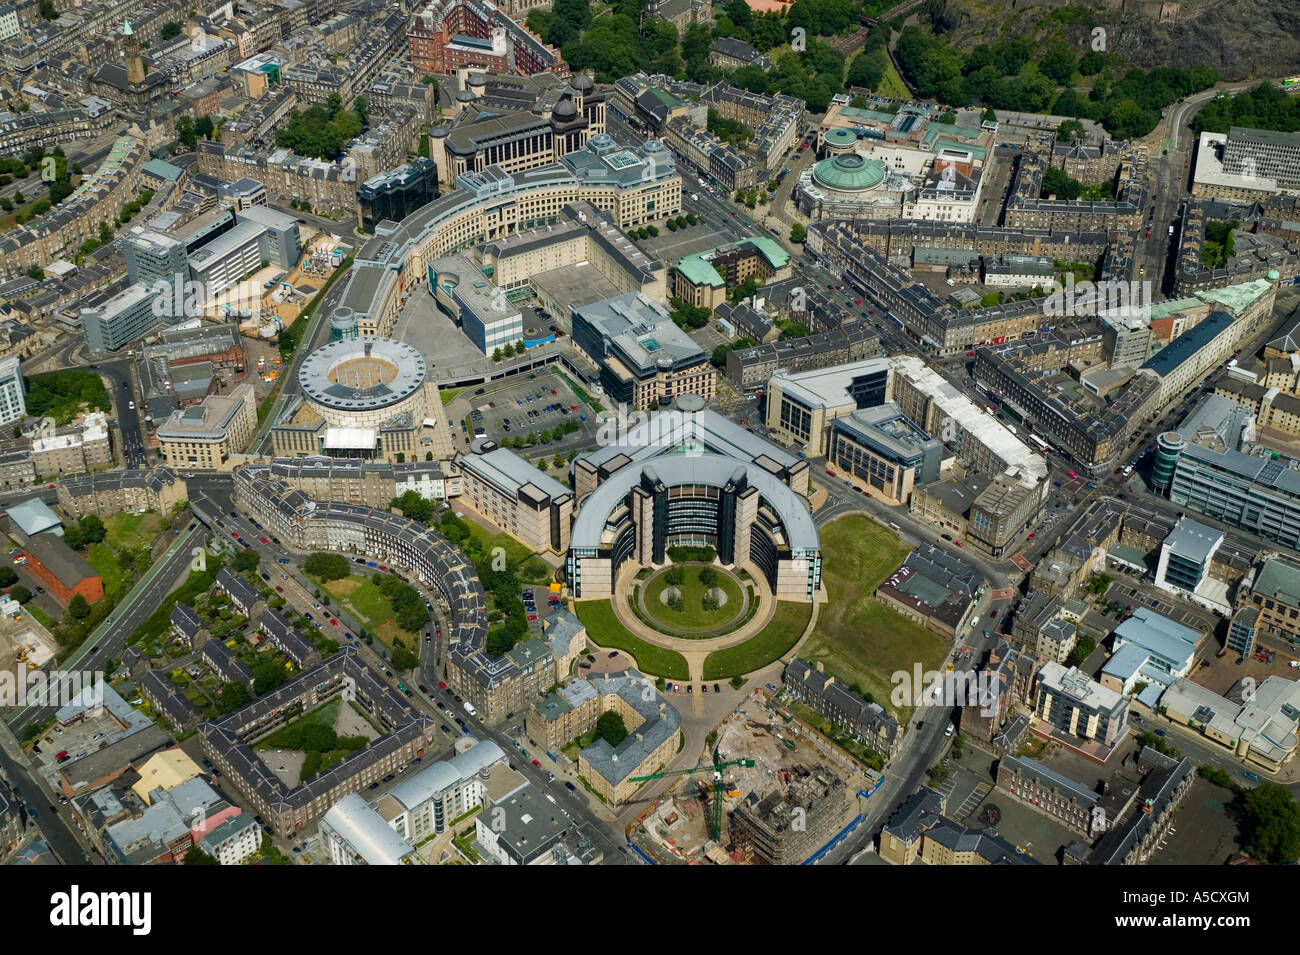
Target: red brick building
(62, 570)
(448, 34)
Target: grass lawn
(448, 395)
(786, 626)
(604, 629)
(515, 551)
(892, 85)
(363, 600)
(858, 639)
(283, 739)
(40, 615)
(104, 560)
(131, 530)
(693, 615)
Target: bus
(1292, 82)
(1038, 443)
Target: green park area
(125, 534)
(605, 630)
(771, 643)
(679, 600)
(313, 733)
(362, 599)
(859, 640)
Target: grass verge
(770, 643)
(604, 630)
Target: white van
(469, 707)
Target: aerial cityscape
(649, 433)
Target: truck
(1171, 231)
(469, 707)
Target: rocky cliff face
(1242, 39)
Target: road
(108, 641)
(128, 409)
(212, 492)
(52, 822)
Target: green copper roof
(849, 172)
(841, 137)
(699, 272)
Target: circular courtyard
(693, 600)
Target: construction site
(24, 646)
(767, 792)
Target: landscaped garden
(686, 598)
(771, 643)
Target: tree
(33, 271)
(267, 675)
(1069, 130)
(246, 560)
(611, 728)
(7, 576)
(203, 127)
(21, 594)
(412, 505)
(170, 30)
(48, 11)
(327, 566)
(185, 134)
(1271, 823)
(674, 577)
(496, 354)
(557, 462)
(196, 856)
(78, 608)
(798, 233)
(74, 537)
(233, 696)
(92, 527)
(708, 577)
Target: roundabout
(694, 600)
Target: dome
(850, 173)
(465, 96)
(477, 79)
(440, 131)
(582, 83)
(840, 138)
(564, 110)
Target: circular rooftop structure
(690, 402)
(582, 82)
(849, 173)
(837, 139)
(362, 374)
(565, 110)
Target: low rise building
(867, 722)
(1070, 703)
(206, 435)
(933, 588)
(521, 499)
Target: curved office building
(690, 477)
